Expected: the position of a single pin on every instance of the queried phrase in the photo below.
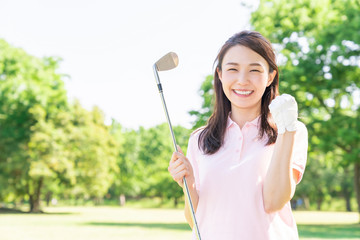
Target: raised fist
(284, 111)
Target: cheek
(260, 80)
(226, 88)
(225, 80)
(226, 76)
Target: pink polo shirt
(229, 184)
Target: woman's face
(244, 76)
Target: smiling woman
(243, 51)
(243, 166)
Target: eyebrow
(256, 64)
(232, 63)
(251, 64)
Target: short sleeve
(192, 154)
(300, 150)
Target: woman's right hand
(179, 167)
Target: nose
(242, 78)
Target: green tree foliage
(155, 150)
(126, 182)
(93, 152)
(29, 89)
(319, 48)
(143, 161)
(207, 106)
(44, 140)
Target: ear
(271, 78)
(219, 72)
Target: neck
(241, 116)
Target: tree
(126, 184)
(31, 90)
(319, 56)
(44, 139)
(93, 153)
(207, 106)
(143, 161)
(155, 150)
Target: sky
(108, 48)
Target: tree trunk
(35, 197)
(318, 203)
(347, 189)
(48, 198)
(306, 203)
(176, 202)
(357, 184)
(98, 201)
(122, 199)
(348, 203)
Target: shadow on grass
(169, 226)
(338, 231)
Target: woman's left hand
(284, 111)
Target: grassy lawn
(95, 223)
(110, 223)
(328, 225)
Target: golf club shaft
(187, 193)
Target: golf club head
(167, 62)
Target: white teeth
(243, 92)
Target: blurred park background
(86, 178)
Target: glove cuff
(281, 130)
(292, 127)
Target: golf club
(167, 62)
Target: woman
(243, 166)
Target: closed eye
(232, 69)
(254, 70)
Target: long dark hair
(212, 136)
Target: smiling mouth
(243, 93)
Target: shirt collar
(254, 122)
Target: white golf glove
(284, 111)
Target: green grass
(340, 231)
(132, 223)
(328, 225)
(95, 223)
